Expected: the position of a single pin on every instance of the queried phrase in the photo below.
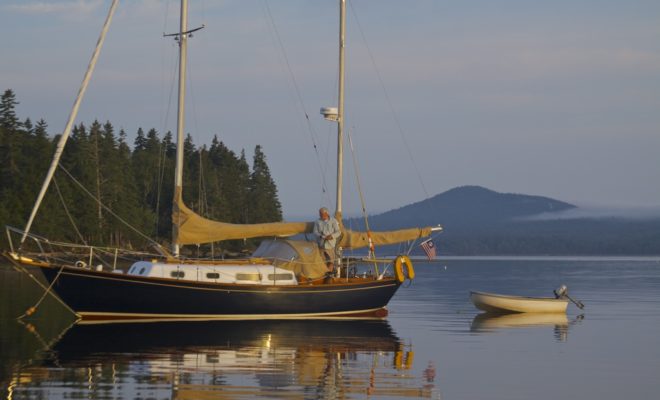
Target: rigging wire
(73, 223)
(389, 102)
(372, 252)
(159, 182)
(47, 290)
(193, 102)
(162, 153)
(108, 209)
(68, 214)
(166, 16)
(202, 190)
(332, 129)
(201, 194)
(301, 103)
(395, 117)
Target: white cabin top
(241, 274)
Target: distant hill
(479, 221)
(468, 206)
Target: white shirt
(323, 228)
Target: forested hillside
(133, 181)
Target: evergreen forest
(133, 184)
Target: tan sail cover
(191, 228)
(353, 240)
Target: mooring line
(47, 290)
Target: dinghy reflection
(237, 359)
(490, 322)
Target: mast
(336, 114)
(340, 111)
(183, 54)
(181, 37)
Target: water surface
(434, 344)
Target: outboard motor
(562, 292)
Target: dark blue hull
(105, 296)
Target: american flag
(429, 248)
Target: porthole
(280, 277)
(177, 274)
(255, 277)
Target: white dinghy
(499, 303)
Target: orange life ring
(398, 268)
(401, 362)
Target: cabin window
(248, 277)
(213, 275)
(141, 271)
(177, 274)
(280, 277)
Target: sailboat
(283, 278)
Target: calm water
(434, 344)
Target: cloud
(71, 8)
(634, 213)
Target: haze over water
(434, 344)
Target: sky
(559, 99)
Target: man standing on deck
(326, 228)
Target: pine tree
(28, 127)
(119, 191)
(140, 142)
(80, 164)
(41, 130)
(12, 204)
(95, 159)
(17, 163)
(263, 202)
(165, 189)
(146, 165)
(225, 164)
(8, 118)
(36, 153)
(190, 173)
(242, 204)
(9, 143)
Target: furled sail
(191, 228)
(355, 239)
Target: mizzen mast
(337, 114)
(340, 111)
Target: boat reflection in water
(228, 359)
(490, 322)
